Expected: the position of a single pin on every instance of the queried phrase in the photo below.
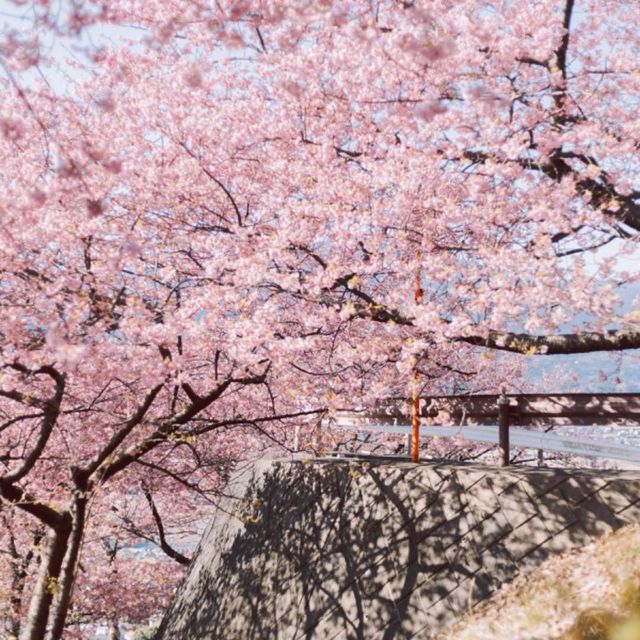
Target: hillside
(591, 593)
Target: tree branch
(25, 501)
(164, 545)
(51, 411)
(252, 421)
(120, 435)
(561, 52)
(567, 343)
(168, 426)
(603, 193)
(210, 175)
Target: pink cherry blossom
(212, 234)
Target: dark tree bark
(566, 343)
(47, 583)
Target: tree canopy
(221, 220)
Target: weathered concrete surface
(340, 550)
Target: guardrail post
(503, 426)
(415, 420)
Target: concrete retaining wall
(339, 550)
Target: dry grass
(592, 593)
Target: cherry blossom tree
(495, 151)
(217, 232)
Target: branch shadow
(370, 550)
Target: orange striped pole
(415, 399)
(415, 420)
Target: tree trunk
(12, 623)
(114, 631)
(20, 572)
(67, 576)
(47, 583)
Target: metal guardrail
(490, 434)
(493, 419)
